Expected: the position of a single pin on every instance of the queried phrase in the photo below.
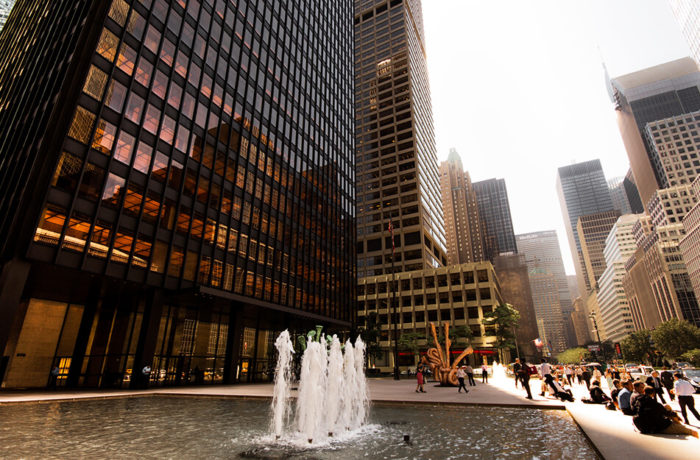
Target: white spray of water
(332, 398)
(312, 386)
(335, 385)
(362, 398)
(283, 377)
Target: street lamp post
(597, 332)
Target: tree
(574, 355)
(409, 341)
(637, 346)
(504, 318)
(692, 356)
(675, 337)
(371, 335)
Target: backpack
(530, 370)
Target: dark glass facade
(189, 180)
(494, 211)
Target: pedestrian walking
(545, 370)
(461, 374)
(484, 373)
(684, 390)
(470, 376)
(419, 379)
(667, 381)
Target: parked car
(642, 372)
(693, 376)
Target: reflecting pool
(172, 427)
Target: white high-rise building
(614, 308)
(687, 13)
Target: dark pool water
(202, 428)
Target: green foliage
(371, 335)
(637, 347)
(461, 334)
(504, 319)
(692, 356)
(410, 341)
(574, 355)
(675, 337)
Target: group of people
(636, 398)
(640, 399)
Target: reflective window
(50, 225)
(142, 162)
(137, 24)
(150, 123)
(134, 108)
(81, 126)
(95, 83)
(125, 146)
(91, 185)
(107, 46)
(119, 11)
(114, 189)
(115, 96)
(144, 71)
(103, 139)
(127, 59)
(67, 172)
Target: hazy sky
(518, 89)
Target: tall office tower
(548, 282)
(397, 169)
(398, 182)
(687, 13)
(494, 210)
(581, 322)
(614, 307)
(462, 221)
(592, 230)
(690, 243)
(5, 8)
(582, 190)
(176, 186)
(512, 272)
(658, 285)
(618, 195)
(659, 92)
(675, 144)
(632, 193)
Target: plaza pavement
(612, 433)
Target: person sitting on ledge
(597, 395)
(654, 418)
(557, 389)
(624, 396)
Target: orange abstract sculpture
(443, 371)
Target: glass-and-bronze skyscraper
(397, 169)
(177, 184)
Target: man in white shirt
(684, 390)
(545, 370)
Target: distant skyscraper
(550, 290)
(398, 182)
(618, 195)
(582, 190)
(690, 243)
(494, 211)
(397, 168)
(5, 7)
(614, 308)
(687, 13)
(649, 95)
(593, 229)
(632, 193)
(463, 226)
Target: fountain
(498, 373)
(332, 395)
